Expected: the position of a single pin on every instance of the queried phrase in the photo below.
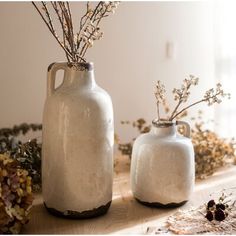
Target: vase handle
(51, 76)
(186, 127)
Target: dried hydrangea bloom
(15, 195)
(27, 154)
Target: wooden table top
(125, 215)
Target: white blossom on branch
(181, 96)
(160, 96)
(75, 44)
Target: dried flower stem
(206, 99)
(76, 47)
(85, 47)
(181, 96)
(61, 20)
(82, 24)
(70, 17)
(179, 102)
(160, 97)
(158, 111)
(68, 25)
(52, 31)
(48, 15)
(193, 104)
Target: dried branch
(76, 47)
(90, 38)
(181, 95)
(67, 25)
(61, 20)
(160, 97)
(210, 97)
(52, 31)
(48, 15)
(83, 21)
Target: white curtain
(225, 64)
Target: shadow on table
(124, 213)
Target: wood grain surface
(125, 215)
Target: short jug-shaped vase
(162, 166)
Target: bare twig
(178, 104)
(83, 21)
(76, 47)
(52, 31)
(158, 111)
(48, 16)
(193, 104)
(181, 95)
(85, 47)
(61, 20)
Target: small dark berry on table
(220, 206)
(209, 215)
(219, 215)
(211, 203)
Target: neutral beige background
(128, 60)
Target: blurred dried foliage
(141, 126)
(27, 154)
(15, 195)
(211, 151)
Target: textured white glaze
(162, 166)
(78, 138)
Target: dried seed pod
(219, 215)
(210, 204)
(209, 215)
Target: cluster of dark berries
(216, 211)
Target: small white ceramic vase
(78, 137)
(162, 166)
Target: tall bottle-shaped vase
(78, 138)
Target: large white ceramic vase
(78, 137)
(162, 166)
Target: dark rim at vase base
(160, 205)
(80, 215)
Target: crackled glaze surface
(78, 136)
(162, 167)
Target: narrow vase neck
(164, 131)
(82, 79)
(79, 75)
